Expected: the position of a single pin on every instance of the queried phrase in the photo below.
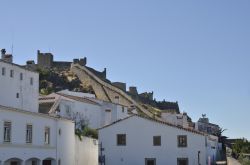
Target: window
(123, 109)
(29, 133)
(182, 161)
(47, 135)
(7, 131)
(21, 76)
(107, 110)
(199, 152)
(33, 162)
(17, 95)
(150, 161)
(59, 162)
(157, 140)
(3, 71)
(182, 141)
(11, 73)
(31, 81)
(121, 139)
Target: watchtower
(44, 60)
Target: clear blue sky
(195, 52)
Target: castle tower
(44, 60)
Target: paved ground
(232, 161)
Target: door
(150, 161)
(47, 162)
(13, 163)
(108, 117)
(182, 161)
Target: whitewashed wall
(86, 151)
(212, 147)
(92, 113)
(176, 119)
(139, 146)
(10, 86)
(18, 147)
(95, 114)
(66, 142)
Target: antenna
(12, 49)
(12, 44)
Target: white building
(31, 138)
(18, 87)
(213, 148)
(28, 137)
(143, 141)
(96, 112)
(205, 126)
(176, 119)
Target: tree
(81, 125)
(241, 146)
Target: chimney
(3, 51)
(6, 57)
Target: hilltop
(77, 76)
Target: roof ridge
(77, 97)
(158, 121)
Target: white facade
(28, 137)
(139, 143)
(176, 119)
(86, 151)
(61, 136)
(213, 148)
(18, 87)
(78, 94)
(96, 112)
(204, 125)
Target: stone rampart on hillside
(106, 91)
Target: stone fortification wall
(106, 91)
(61, 65)
(120, 85)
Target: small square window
(157, 140)
(121, 139)
(182, 140)
(107, 110)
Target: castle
(46, 61)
